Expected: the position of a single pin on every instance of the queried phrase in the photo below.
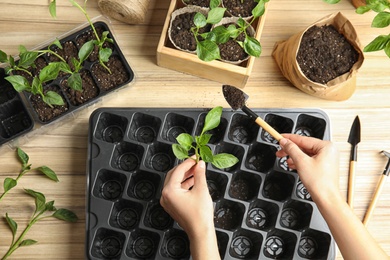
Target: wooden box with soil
(170, 57)
(97, 81)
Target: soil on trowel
(325, 54)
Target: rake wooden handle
(262, 123)
(375, 199)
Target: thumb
(200, 175)
(292, 150)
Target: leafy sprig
(42, 210)
(381, 20)
(199, 144)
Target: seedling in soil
(208, 49)
(188, 144)
(104, 53)
(42, 210)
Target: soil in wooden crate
(324, 54)
(181, 31)
(202, 3)
(231, 50)
(240, 8)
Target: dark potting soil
(226, 218)
(181, 33)
(117, 77)
(202, 3)
(240, 189)
(240, 8)
(324, 54)
(233, 96)
(68, 51)
(44, 111)
(231, 50)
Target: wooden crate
(170, 57)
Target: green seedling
(48, 73)
(104, 53)
(42, 210)
(208, 50)
(199, 144)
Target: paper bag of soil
(341, 87)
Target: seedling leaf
(75, 81)
(207, 50)
(215, 15)
(40, 199)
(105, 54)
(50, 72)
(185, 140)
(19, 83)
(53, 8)
(86, 50)
(252, 46)
(48, 172)
(381, 20)
(8, 184)
(206, 154)
(12, 224)
(53, 98)
(180, 152)
(379, 43)
(3, 56)
(66, 215)
(28, 242)
(224, 160)
(213, 118)
(203, 139)
(23, 157)
(200, 20)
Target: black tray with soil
(97, 81)
(21, 113)
(262, 210)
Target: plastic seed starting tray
(17, 113)
(262, 210)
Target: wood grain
(63, 146)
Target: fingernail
(202, 164)
(283, 142)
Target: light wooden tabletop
(64, 146)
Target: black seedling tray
(15, 120)
(262, 210)
(17, 114)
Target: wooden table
(64, 146)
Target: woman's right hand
(316, 161)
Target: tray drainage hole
(113, 134)
(145, 134)
(177, 247)
(174, 132)
(241, 246)
(303, 131)
(110, 247)
(307, 247)
(257, 218)
(160, 219)
(161, 162)
(144, 190)
(143, 247)
(111, 189)
(302, 192)
(240, 134)
(127, 218)
(289, 218)
(128, 162)
(274, 247)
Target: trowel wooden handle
(128, 11)
(268, 128)
(374, 200)
(351, 183)
(262, 123)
